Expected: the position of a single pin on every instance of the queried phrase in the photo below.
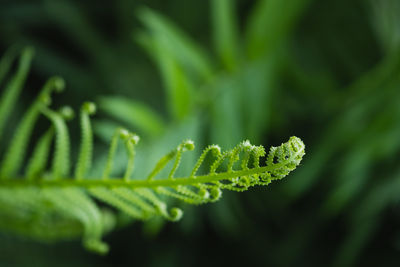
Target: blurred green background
(222, 71)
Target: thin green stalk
(118, 182)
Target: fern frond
(16, 151)
(85, 155)
(52, 204)
(6, 62)
(61, 160)
(130, 140)
(38, 160)
(14, 86)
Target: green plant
(50, 205)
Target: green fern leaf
(50, 205)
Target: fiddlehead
(85, 156)
(51, 205)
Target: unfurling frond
(55, 204)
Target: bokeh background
(222, 71)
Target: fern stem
(38, 160)
(119, 133)
(86, 150)
(118, 182)
(214, 149)
(132, 197)
(13, 88)
(61, 159)
(161, 164)
(186, 145)
(130, 144)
